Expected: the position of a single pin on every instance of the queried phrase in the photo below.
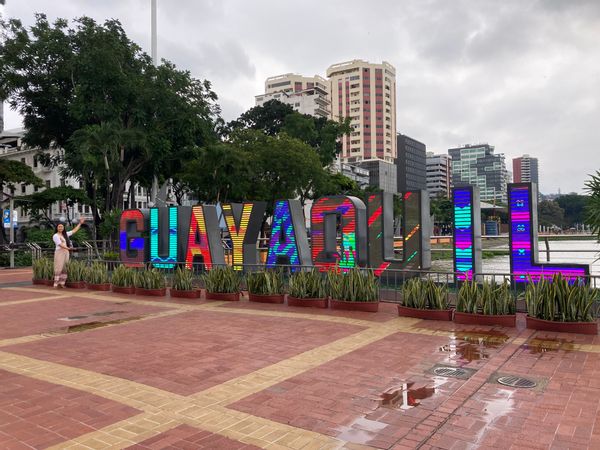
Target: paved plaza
(84, 369)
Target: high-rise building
(307, 95)
(382, 175)
(439, 175)
(366, 93)
(525, 169)
(411, 164)
(477, 165)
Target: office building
(366, 93)
(411, 164)
(357, 174)
(477, 165)
(382, 175)
(307, 95)
(439, 175)
(525, 170)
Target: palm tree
(592, 187)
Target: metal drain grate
(518, 382)
(450, 371)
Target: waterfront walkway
(80, 369)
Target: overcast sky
(521, 75)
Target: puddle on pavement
(93, 325)
(405, 396)
(361, 431)
(500, 405)
(548, 344)
(473, 345)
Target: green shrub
(150, 279)
(420, 294)
(414, 294)
(356, 285)
(466, 300)
(41, 269)
(559, 300)
(98, 273)
(269, 282)
(77, 271)
(308, 284)
(111, 256)
(222, 280)
(183, 280)
(123, 276)
(489, 298)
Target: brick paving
(197, 374)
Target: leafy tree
(592, 187)
(550, 214)
(574, 207)
(92, 92)
(219, 173)
(441, 208)
(39, 204)
(274, 117)
(12, 172)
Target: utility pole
(11, 232)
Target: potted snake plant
(561, 305)
(183, 284)
(222, 283)
(307, 288)
(425, 299)
(77, 274)
(355, 290)
(266, 286)
(97, 277)
(150, 282)
(42, 272)
(489, 303)
(123, 280)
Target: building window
(23, 189)
(48, 184)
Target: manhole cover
(450, 371)
(518, 382)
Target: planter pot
(123, 289)
(39, 282)
(310, 302)
(195, 293)
(508, 320)
(354, 306)
(275, 298)
(99, 287)
(426, 314)
(223, 296)
(75, 284)
(49, 282)
(151, 292)
(562, 327)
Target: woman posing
(61, 253)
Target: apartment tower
(525, 169)
(367, 94)
(307, 95)
(439, 175)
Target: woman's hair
(64, 233)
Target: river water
(501, 264)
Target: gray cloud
(523, 75)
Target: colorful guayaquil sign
(345, 233)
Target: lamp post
(154, 52)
